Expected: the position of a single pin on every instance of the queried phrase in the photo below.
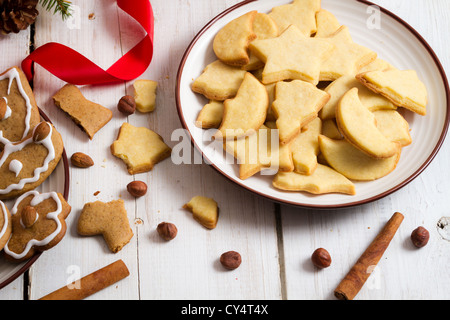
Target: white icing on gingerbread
(15, 166)
(37, 199)
(8, 109)
(5, 218)
(11, 148)
(12, 74)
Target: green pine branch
(58, 6)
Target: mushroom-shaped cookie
(38, 224)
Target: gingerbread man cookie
(38, 224)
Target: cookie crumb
(96, 193)
(92, 16)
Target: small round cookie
(5, 224)
(38, 224)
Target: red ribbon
(76, 69)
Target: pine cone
(17, 15)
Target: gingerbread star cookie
(292, 56)
(246, 112)
(38, 224)
(358, 126)
(296, 104)
(231, 42)
(403, 88)
(347, 57)
(300, 13)
(219, 81)
(139, 148)
(324, 180)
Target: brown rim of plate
(324, 207)
(33, 259)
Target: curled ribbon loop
(82, 71)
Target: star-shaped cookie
(292, 56)
(301, 13)
(347, 57)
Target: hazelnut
(137, 188)
(321, 258)
(29, 216)
(41, 132)
(420, 237)
(2, 108)
(127, 105)
(167, 231)
(81, 160)
(231, 260)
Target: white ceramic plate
(9, 271)
(395, 41)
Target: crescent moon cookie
(358, 125)
(5, 225)
(19, 113)
(26, 164)
(353, 163)
(403, 88)
(38, 224)
(231, 42)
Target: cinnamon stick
(358, 275)
(92, 283)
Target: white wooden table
(275, 241)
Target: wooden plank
(14, 47)
(97, 39)
(404, 272)
(188, 266)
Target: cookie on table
(292, 56)
(219, 81)
(19, 113)
(231, 42)
(26, 164)
(246, 112)
(87, 115)
(358, 125)
(347, 57)
(139, 148)
(327, 24)
(300, 13)
(107, 219)
(324, 180)
(353, 163)
(5, 225)
(145, 95)
(264, 28)
(38, 224)
(204, 210)
(402, 87)
(296, 104)
(338, 88)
